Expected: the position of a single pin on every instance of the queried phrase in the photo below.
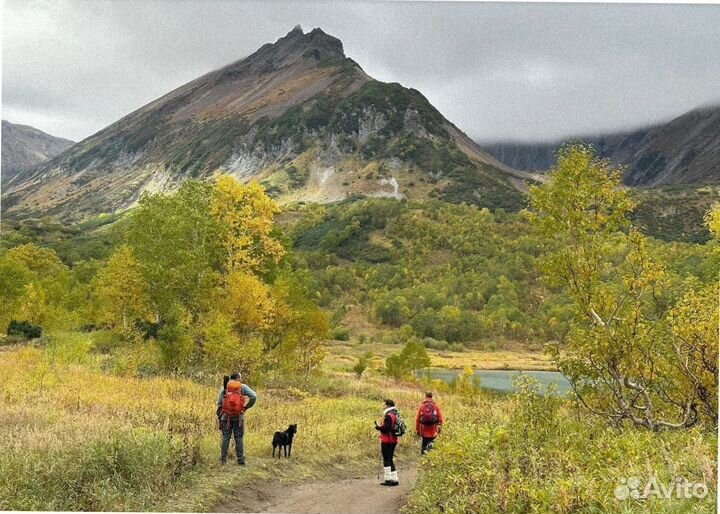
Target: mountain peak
(296, 47)
(297, 115)
(327, 46)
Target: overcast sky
(498, 71)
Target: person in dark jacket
(428, 422)
(388, 442)
(234, 425)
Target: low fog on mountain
(528, 72)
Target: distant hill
(684, 151)
(299, 116)
(24, 147)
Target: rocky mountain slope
(24, 147)
(684, 151)
(297, 115)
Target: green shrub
(24, 329)
(145, 359)
(177, 347)
(394, 366)
(412, 358)
(340, 334)
(362, 364)
(390, 338)
(69, 348)
(467, 384)
(435, 344)
(105, 342)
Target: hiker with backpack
(428, 422)
(391, 428)
(231, 409)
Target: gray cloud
(499, 71)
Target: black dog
(284, 440)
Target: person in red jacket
(428, 422)
(388, 442)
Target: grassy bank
(532, 454)
(75, 438)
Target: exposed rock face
(297, 115)
(24, 147)
(683, 151)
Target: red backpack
(428, 414)
(234, 401)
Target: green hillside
(117, 333)
(441, 272)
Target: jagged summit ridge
(297, 115)
(295, 46)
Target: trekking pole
(381, 462)
(380, 469)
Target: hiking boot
(241, 463)
(387, 475)
(394, 478)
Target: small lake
(502, 380)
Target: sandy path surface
(349, 496)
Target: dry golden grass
(344, 354)
(74, 437)
(501, 359)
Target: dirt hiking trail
(348, 496)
